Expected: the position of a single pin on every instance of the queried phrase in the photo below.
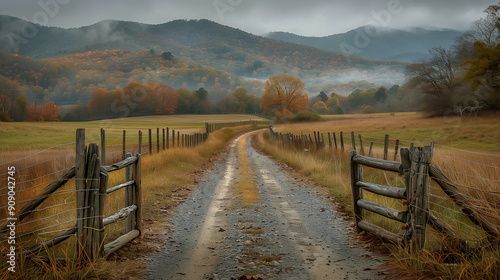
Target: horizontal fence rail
(418, 174)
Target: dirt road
(248, 217)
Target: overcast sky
(303, 17)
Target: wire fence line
(474, 175)
(47, 211)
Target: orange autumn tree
(164, 98)
(45, 112)
(284, 95)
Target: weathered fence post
(150, 141)
(129, 196)
(386, 146)
(329, 140)
(371, 148)
(178, 138)
(103, 184)
(361, 149)
(138, 193)
(396, 148)
(163, 131)
(124, 141)
(406, 164)
(140, 142)
(103, 146)
(353, 140)
(80, 187)
(91, 237)
(342, 141)
(419, 193)
(357, 193)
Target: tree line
(463, 79)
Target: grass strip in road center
(246, 185)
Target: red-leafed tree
(104, 104)
(46, 112)
(164, 98)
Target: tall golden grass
(161, 173)
(476, 175)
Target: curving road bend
(286, 231)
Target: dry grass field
(41, 152)
(467, 151)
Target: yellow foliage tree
(284, 94)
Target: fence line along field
(465, 197)
(38, 167)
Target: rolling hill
(389, 44)
(198, 41)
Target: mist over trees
(464, 79)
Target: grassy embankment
(167, 177)
(477, 175)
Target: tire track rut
(289, 233)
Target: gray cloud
(312, 18)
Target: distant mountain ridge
(389, 44)
(199, 41)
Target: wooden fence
(418, 172)
(211, 127)
(91, 181)
(320, 140)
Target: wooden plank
(382, 210)
(379, 163)
(121, 164)
(80, 181)
(140, 142)
(95, 218)
(103, 184)
(392, 192)
(123, 213)
(406, 165)
(357, 193)
(386, 146)
(452, 191)
(52, 242)
(380, 232)
(353, 140)
(28, 208)
(120, 186)
(138, 193)
(342, 141)
(124, 141)
(371, 149)
(150, 141)
(129, 196)
(103, 146)
(119, 242)
(396, 148)
(440, 226)
(361, 149)
(419, 204)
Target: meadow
(467, 150)
(41, 152)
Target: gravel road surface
(289, 232)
